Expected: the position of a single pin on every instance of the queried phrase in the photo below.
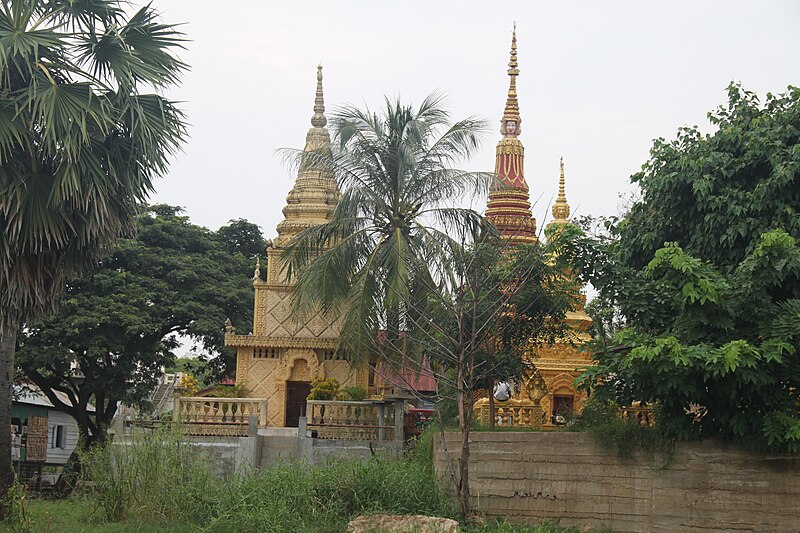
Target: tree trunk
(464, 420)
(71, 473)
(96, 435)
(8, 344)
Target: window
(58, 437)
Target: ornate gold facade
(284, 350)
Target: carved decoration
(284, 372)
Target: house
(29, 408)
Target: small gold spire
(319, 120)
(257, 271)
(511, 118)
(560, 208)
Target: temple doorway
(563, 407)
(296, 394)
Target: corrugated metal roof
(32, 395)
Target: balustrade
(219, 416)
(512, 413)
(364, 420)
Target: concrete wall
(276, 449)
(567, 479)
(228, 455)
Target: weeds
(156, 475)
(602, 421)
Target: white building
(62, 430)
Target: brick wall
(567, 479)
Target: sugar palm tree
(396, 219)
(81, 140)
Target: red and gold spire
(509, 208)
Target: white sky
(598, 82)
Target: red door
(296, 394)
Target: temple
(285, 352)
(549, 392)
(558, 364)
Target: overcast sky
(599, 81)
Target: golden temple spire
(511, 118)
(509, 207)
(315, 194)
(319, 120)
(560, 208)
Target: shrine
(548, 397)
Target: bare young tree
(477, 321)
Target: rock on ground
(383, 523)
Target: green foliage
(230, 391)
(120, 321)
(324, 389)
(242, 236)
(81, 138)
(162, 478)
(391, 226)
(84, 133)
(322, 499)
(18, 519)
(355, 394)
(705, 270)
(603, 420)
(156, 474)
(715, 195)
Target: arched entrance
(301, 366)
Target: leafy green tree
(81, 141)
(243, 236)
(121, 322)
(705, 269)
(390, 227)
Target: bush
(324, 389)
(155, 475)
(323, 499)
(602, 419)
(161, 478)
(355, 394)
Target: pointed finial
(257, 271)
(319, 120)
(561, 207)
(511, 117)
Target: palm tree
(396, 218)
(81, 141)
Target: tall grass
(161, 478)
(322, 499)
(154, 475)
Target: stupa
(285, 352)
